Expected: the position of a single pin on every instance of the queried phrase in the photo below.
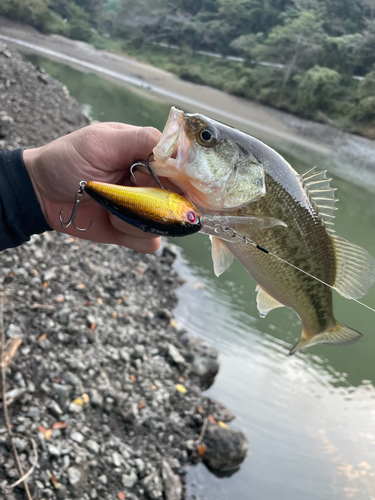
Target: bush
(367, 86)
(316, 89)
(78, 23)
(366, 109)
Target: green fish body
(305, 203)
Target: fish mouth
(170, 135)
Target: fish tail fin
(339, 334)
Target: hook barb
(71, 222)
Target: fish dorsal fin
(265, 302)
(319, 187)
(221, 255)
(355, 269)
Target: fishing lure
(154, 210)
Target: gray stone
(34, 413)
(96, 399)
(124, 354)
(74, 408)
(226, 449)
(55, 409)
(21, 444)
(153, 485)
(77, 437)
(14, 394)
(62, 392)
(103, 479)
(116, 459)
(172, 483)
(129, 480)
(49, 274)
(176, 356)
(53, 450)
(71, 378)
(74, 475)
(139, 351)
(13, 331)
(93, 446)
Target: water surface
(310, 418)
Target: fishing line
(231, 232)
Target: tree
(316, 89)
(297, 44)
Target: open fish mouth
(170, 135)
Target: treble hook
(78, 198)
(146, 165)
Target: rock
(21, 444)
(53, 450)
(153, 485)
(116, 459)
(34, 413)
(176, 356)
(6, 122)
(74, 475)
(96, 399)
(93, 446)
(170, 251)
(226, 449)
(55, 409)
(71, 378)
(124, 354)
(49, 274)
(63, 317)
(14, 394)
(129, 480)
(172, 483)
(13, 331)
(139, 351)
(63, 393)
(77, 437)
(206, 368)
(164, 314)
(219, 411)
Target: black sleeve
(20, 213)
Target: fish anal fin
(265, 302)
(355, 269)
(221, 255)
(319, 188)
(339, 334)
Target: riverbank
(105, 384)
(346, 155)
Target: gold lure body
(155, 210)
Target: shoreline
(346, 155)
(105, 383)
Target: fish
(154, 210)
(220, 169)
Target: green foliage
(367, 86)
(34, 12)
(316, 89)
(366, 109)
(78, 22)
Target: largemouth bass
(225, 171)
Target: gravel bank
(104, 383)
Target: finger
(120, 144)
(145, 179)
(123, 227)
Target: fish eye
(192, 217)
(207, 137)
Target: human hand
(102, 152)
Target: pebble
(77, 437)
(13, 331)
(74, 475)
(129, 480)
(55, 409)
(53, 450)
(71, 378)
(92, 446)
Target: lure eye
(192, 217)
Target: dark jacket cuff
(20, 212)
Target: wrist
(31, 159)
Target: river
(310, 418)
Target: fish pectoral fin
(221, 255)
(339, 334)
(265, 302)
(355, 269)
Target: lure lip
(175, 225)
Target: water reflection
(310, 419)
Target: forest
(314, 58)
